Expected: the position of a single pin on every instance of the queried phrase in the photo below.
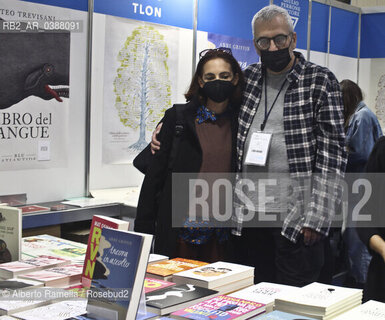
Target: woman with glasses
(207, 142)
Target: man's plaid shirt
(314, 135)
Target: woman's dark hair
(351, 96)
(194, 89)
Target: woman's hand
(155, 144)
(377, 244)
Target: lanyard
(267, 114)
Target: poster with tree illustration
(140, 77)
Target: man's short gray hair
(268, 13)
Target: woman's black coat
(154, 209)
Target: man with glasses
(298, 106)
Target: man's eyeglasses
(208, 51)
(280, 40)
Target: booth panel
(344, 33)
(343, 67)
(43, 156)
(373, 35)
(228, 17)
(70, 4)
(298, 11)
(319, 27)
(172, 12)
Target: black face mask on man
(276, 60)
(218, 90)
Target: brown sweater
(215, 141)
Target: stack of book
(280, 315)
(221, 307)
(319, 301)
(53, 246)
(167, 300)
(371, 310)
(55, 311)
(17, 268)
(165, 269)
(62, 276)
(264, 292)
(224, 277)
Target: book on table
(221, 307)
(53, 246)
(280, 315)
(165, 269)
(17, 268)
(97, 224)
(10, 234)
(320, 301)
(119, 274)
(151, 284)
(16, 283)
(61, 276)
(155, 258)
(370, 310)
(33, 209)
(170, 299)
(55, 311)
(20, 300)
(216, 275)
(264, 292)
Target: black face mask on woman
(218, 90)
(276, 60)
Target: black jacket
(154, 209)
(375, 284)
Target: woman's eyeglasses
(220, 49)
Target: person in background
(207, 144)
(361, 126)
(362, 131)
(374, 238)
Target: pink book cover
(151, 284)
(34, 208)
(32, 263)
(55, 273)
(227, 307)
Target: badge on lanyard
(258, 149)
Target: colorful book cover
(53, 246)
(119, 274)
(97, 224)
(221, 308)
(151, 284)
(169, 267)
(14, 268)
(10, 234)
(280, 315)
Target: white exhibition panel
(372, 83)
(110, 175)
(51, 180)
